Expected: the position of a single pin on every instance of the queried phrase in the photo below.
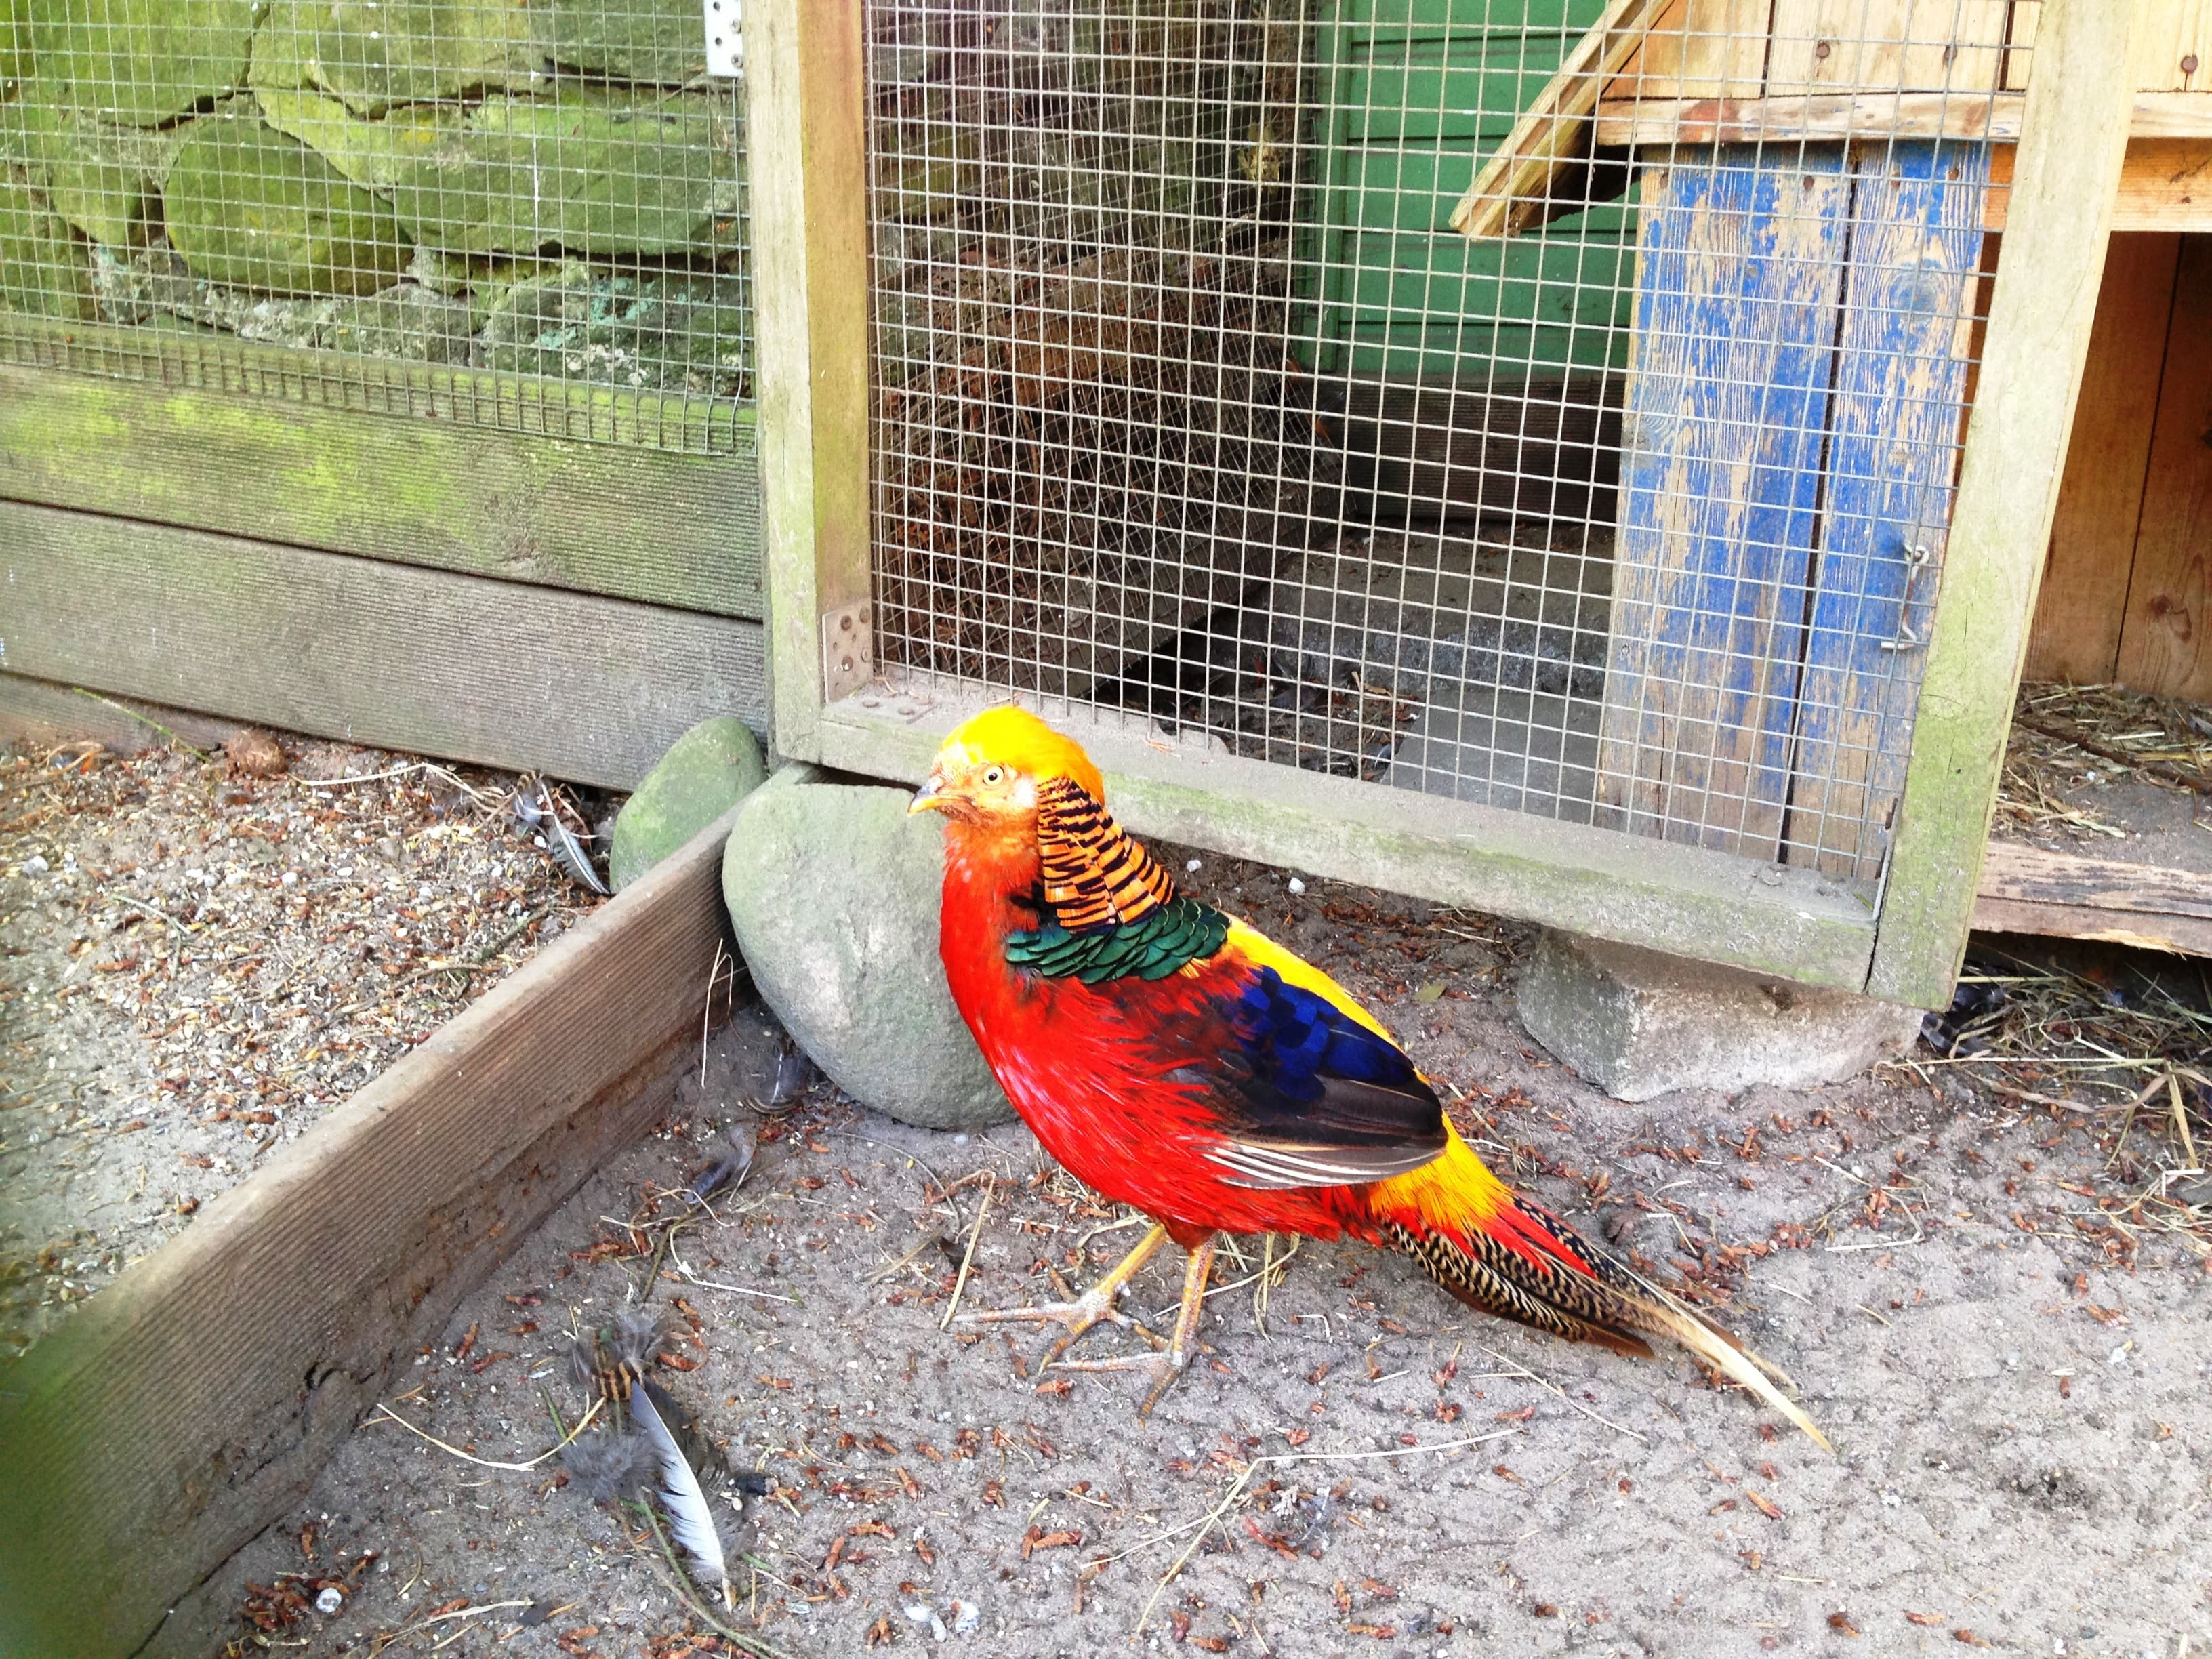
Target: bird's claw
(1079, 1317)
(1163, 1367)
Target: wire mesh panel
(1627, 508)
(406, 193)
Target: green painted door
(1412, 94)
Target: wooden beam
(626, 520)
(806, 106)
(2031, 890)
(1508, 193)
(2166, 639)
(587, 689)
(1699, 49)
(2084, 593)
(2072, 144)
(1867, 115)
(1685, 899)
(191, 1402)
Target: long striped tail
(1522, 1264)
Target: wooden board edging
(2035, 889)
(588, 689)
(181, 1411)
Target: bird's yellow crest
(1017, 740)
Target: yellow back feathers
(1017, 740)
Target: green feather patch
(1156, 945)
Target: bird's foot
(1163, 1367)
(1093, 1308)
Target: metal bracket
(726, 37)
(848, 650)
(1917, 556)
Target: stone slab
(1638, 1023)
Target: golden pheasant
(1176, 1060)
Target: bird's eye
(994, 775)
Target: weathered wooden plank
(189, 1404)
(1885, 46)
(2084, 594)
(1793, 923)
(2165, 187)
(2166, 639)
(585, 687)
(1509, 190)
(1893, 423)
(2039, 322)
(1699, 49)
(2032, 889)
(621, 520)
(1738, 276)
(807, 135)
(1857, 115)
(2170, 34)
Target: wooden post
(2073, 140)
(807, 136)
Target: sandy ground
(197, 965)
(1997, 1306)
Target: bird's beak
(930, 798)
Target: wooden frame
(160, 1429)
(811, 223)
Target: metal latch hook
(1918, 556)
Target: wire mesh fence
(518, 213)
(1629, 510)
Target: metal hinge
(848, 650)
(1916, 558)
(726, 37)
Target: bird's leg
(1093, 1307)
(1164, 1368)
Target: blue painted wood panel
(1740, 277)
(1893, 453)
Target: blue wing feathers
(1303, 1068)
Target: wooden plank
(629, 521)
(2040, 316)
(1864, 115)
(1894, 424)
(2165, 638)
(1885, 46)
(1791, 923)
(2166, 187)
(1699, 49)
(190, 1403)
(1739, 276)
(1509, 190)
(2083, 599)
(807, 138)
(2032, 889)
(585, 687)
(2169, 34)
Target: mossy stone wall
(551, 187)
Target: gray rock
(44, 271)
(706, 771)
(251, 207)
(667, 333)
(1638, 1023)
(833, 890)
